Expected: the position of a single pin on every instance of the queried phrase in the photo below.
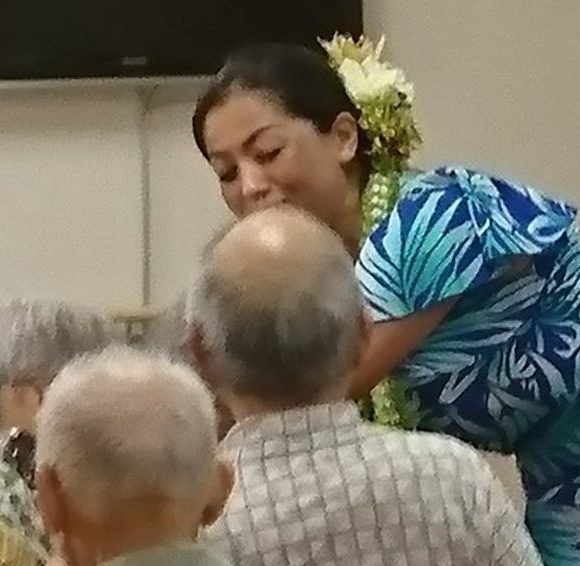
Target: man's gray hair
(285, 328)
(37, 338)
(125, 424)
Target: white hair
(37, 338)
(284, 324)
(124, 424)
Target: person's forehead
(239, 118)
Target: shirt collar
(291, 423)
(186, 554)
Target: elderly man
(126, 461)
(283, 326)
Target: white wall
(186, 206)
(70, 223)
(497, 82)
(71, 188)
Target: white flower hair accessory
(384, 98)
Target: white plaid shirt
(318, 486)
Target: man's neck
(139, 527)
(251, 407)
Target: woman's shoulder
(454, 229)
(482, 187)
(496, 208)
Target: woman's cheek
(292, 178)
(233, 199)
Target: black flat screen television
(50, 39)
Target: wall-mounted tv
(49, 39)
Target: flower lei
(384, 98)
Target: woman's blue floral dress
(503, 369)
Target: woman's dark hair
(300, 79)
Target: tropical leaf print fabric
(503, 369)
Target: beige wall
(70, 222)
(186, 206)
(497, 82)
(71, 182)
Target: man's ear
(366, 324)
(51, 500)
(196, 347)
(205, 362)
(61, 521)
(220, 488)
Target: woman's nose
(255, 187)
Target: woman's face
(265, 157)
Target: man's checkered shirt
(318, 486)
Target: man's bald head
(277, 255)
(279, 306)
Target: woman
(473, 282)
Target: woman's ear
(345, 132)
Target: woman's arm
(391, 342)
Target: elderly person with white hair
(36, 339)
(150, 478)
(283, 326)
